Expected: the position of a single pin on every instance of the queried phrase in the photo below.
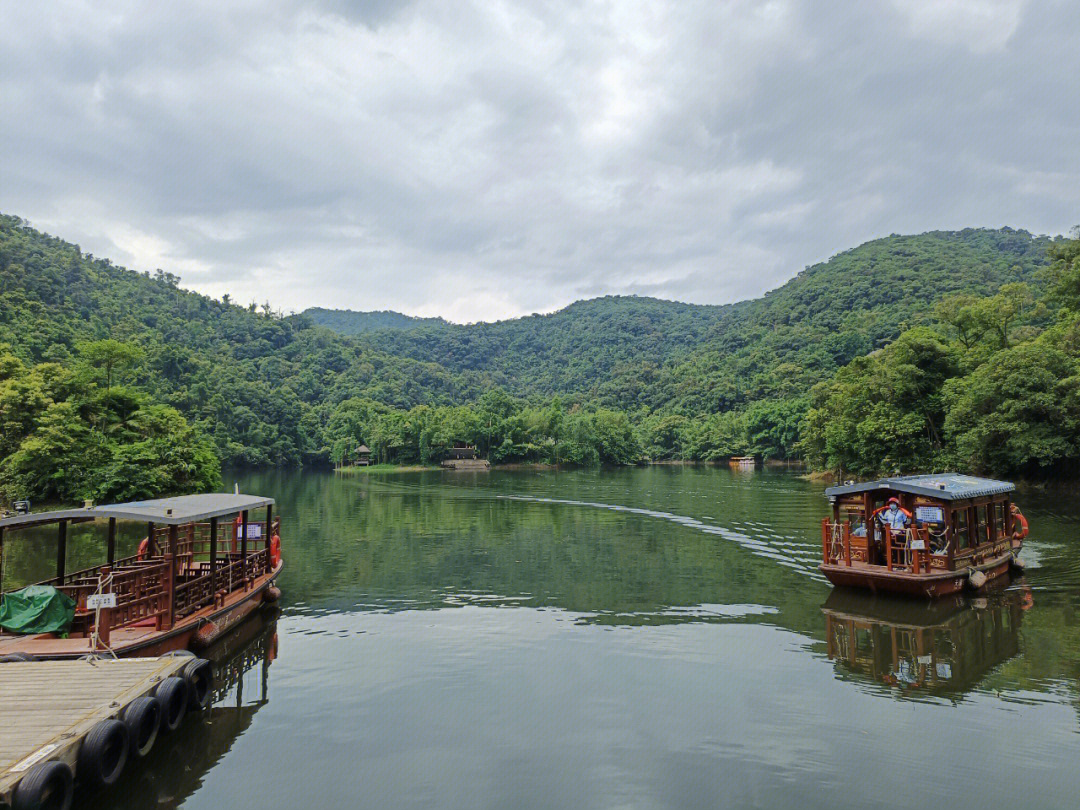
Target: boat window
(960, 528)
(858, 522)
(1000, 523)
(980, 525)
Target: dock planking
(48, 707)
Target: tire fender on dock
(199, 674)
(172, 694)
(48, 785)
(142, 717)
(103, 754)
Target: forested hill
(256, 383)
(577, 351)
(628, 352)
(111, 368)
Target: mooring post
(61, 551)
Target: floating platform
(48, 709)
(465, 464)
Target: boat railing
(836, 542)
(141, 589)
(200, 590)
(910, 550)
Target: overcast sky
(485, 160)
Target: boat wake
(782, 550)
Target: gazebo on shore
(363, 456)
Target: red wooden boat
(202, 568)
(960, 532)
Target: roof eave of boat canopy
(165, 511)
(944, 487)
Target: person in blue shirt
(894, 517)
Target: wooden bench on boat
(961, 534)
(197, 577)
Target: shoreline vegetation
(910, 353)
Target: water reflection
(179, 762)
(913, 649)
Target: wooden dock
(48, 707)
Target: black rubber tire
(16, 657)
(172, 694)
(48, 786)
(103, 754)
(142, 717)
(199, 674)
(179, 654)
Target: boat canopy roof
(943, 486)
(166, 511)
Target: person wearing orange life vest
(895, 518)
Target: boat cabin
(204, 560)
(950, 527)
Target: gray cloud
(482, 160)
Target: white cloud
(482, 160)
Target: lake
(640, 638)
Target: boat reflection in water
(941, 648)
(179, 762)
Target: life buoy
(144, 548)
(275, 550)
(1021, 521)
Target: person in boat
(895, 518)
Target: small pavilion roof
(944, 486)
(166, 511)
(363, 449)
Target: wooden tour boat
(195, 577)
(960, 531)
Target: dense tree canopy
(906, 352)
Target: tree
(109, 356)
(999, 313)
(961, 313)
(1019, 411)
(1064, 271)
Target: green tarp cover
(37, 609)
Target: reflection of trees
(942, 648)
(178, 762)
(383, 542)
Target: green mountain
(259, 385)
(692, 381)
(627, 352)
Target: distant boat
(955, 531)
(742, 462)
(195, 576)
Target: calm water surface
(648, 638)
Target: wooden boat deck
(47, 707)
(46, 645)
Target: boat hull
(199, 629)
(933, 585)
